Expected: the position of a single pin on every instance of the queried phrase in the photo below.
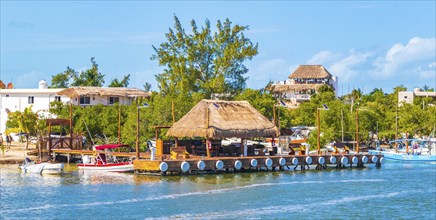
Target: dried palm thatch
(223, 119)
(310, 72)
(294, 87)
(103, 91)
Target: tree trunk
(27, 141)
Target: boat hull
(43, 168)
(115, 167)
(404, 157)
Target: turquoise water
(397, 190)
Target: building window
(57, 98)
(31, 100)
(113, 100)
(405, 97)
(85, 100)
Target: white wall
(18, 99)
(406, 97)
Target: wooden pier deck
(235, 164)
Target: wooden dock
(252, 163)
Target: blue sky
(366, 44)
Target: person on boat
(415, 149)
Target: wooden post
(137, 132)
(49, 139)
(318, 141)
(119, 123)
(396, 129)
(357, 130)
(71, 125)
(207, 130)
(174, 121)
(242, 146)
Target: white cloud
(347, 68)
(413, 61)
(402, 57)
(428, 72)
(322, 57)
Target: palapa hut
(216, 119)
(85, 95)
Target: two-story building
(12, 100)
(302, 83)
(408, 97)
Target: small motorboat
(421, 150)
(30, 166)
(104, 160)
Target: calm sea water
(397, 190)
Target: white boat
(421, 150)
(103, 160)
(30, 166)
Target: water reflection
(99, 177)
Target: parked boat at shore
(30, 166)
(103, 160)
(421, 150)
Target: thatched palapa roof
(103, 91)
(310, 72)
(294, 87)
(223, 119)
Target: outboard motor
(86, 159)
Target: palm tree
(356, 94)
(27, 121)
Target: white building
(87, 96)
(408, 97)
(303, 83)
(12, 100)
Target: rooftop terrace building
(303, 83)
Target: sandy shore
(16, 153)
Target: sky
(367, 44)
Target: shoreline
(16, 153)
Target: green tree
(262, 101)
(26, 122)
(203, 61)
(62, 80)
(89, 77)
(123, 83)
(147, 87)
